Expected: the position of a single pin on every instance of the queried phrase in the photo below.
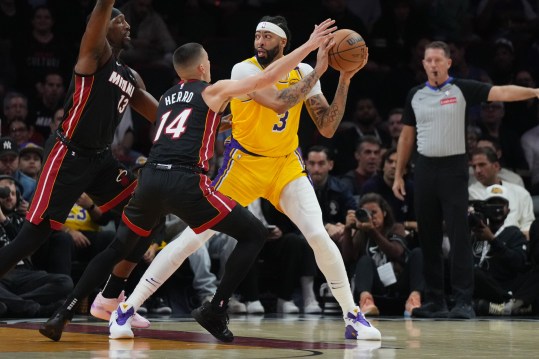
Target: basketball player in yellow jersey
(262, 159)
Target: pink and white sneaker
(103, 307)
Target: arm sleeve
(408, 116)
(474, 92)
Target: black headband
(115, 12)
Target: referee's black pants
(441, 197)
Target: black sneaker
(462, 311)
(54, 327)
(431, 310)
(215, 323)
(159, 306)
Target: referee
(435, 113)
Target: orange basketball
(349, 50)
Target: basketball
(349, 50)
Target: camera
(4, 192)
(363, 215)
(482, 211)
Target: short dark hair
(371, 197)
(488, 152)
(388, 153)
(368, 139)
(320, 148)
(440, 45)
(283, 24)
(187, 54)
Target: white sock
(167, 261)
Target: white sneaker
(286, 307)
(255, 307)
(236, 307)
(102, 308)
(120, 322)
(357, 327)
(312, 307)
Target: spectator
(9, 165)
(365, 122)
(52, 92)
(486, 167)
(30, 160)
(334, 197)
(20, 132)
(505, 174)
(394, 125)
(382, 182)
(40, 51)
(15, 107)
(384, 265)
(492, 125)
(25, 291)
(499, 248)
(368, 158)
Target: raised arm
(94, 48)
(223, 90)
(328, 117)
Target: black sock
(114, 286)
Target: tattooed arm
(328, 117)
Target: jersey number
(122, 104)
(176, 127)
(278, 127)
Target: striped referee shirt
(439, 114)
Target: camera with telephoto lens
(4, 192)
(482, 211)
(363, 215)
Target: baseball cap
(31, 147)
(496, 191)
(8, 147)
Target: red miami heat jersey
(96, 103)
(186, 127)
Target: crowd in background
(494, 41)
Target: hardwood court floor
(292, 336)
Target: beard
(271, 54)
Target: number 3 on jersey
(176, 127)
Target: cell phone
(270, 227)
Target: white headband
(271, 27)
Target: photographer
(499, 248)
(25, 291)
(383, 264)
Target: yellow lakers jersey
(262, 131)
(79, 219)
